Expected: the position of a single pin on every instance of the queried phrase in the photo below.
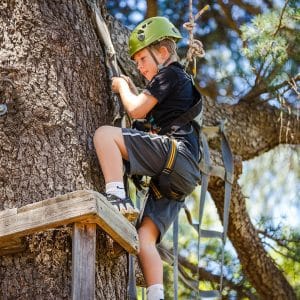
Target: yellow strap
(172, 156)
(155, 190)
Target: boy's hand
(130, 84)
(116, 84)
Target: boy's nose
(140, 67)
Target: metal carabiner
(3, 109)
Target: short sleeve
(162, 84)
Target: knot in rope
(196, 49)
(189, 26)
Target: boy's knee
(148, 233)
(101, 132)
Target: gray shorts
(147, 156)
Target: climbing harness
(185, 118)
(161, 186)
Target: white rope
(196, 49)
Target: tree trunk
(152, 8)
(53, 78)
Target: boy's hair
(170, 44)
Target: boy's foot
(124, 206)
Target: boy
(168, 95)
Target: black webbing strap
(131, 285)
(185, 118)
(206, 166)
(206, 169)
(204, 187)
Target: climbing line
(195, 49)
(114, 70)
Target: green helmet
(151, 30)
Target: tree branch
(183, 263)
(287, 255)
(254, 10)
(282, 242)
(232, 24)
(256, 126)
(281, 16)
(260, 89)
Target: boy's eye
(140, 60)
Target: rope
(113, 67)
(195, 46)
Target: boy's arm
(137, 106)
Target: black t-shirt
(174, 90)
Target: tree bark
(54, 80)
(253, 128)
(152, 8)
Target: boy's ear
(164, 52)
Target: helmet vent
(140, 35)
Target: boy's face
(146, 64)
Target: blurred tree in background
(252, 57)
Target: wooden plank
(117, 226)
(80, 206)
(83, 261)
(14, 245)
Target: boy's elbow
(135, 114)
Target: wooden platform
(82, 206)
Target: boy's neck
(169, 61)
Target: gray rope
(195, 46)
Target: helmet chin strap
(159, 66)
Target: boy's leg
(111, 151)
(150, 260)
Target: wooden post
(83, 261)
